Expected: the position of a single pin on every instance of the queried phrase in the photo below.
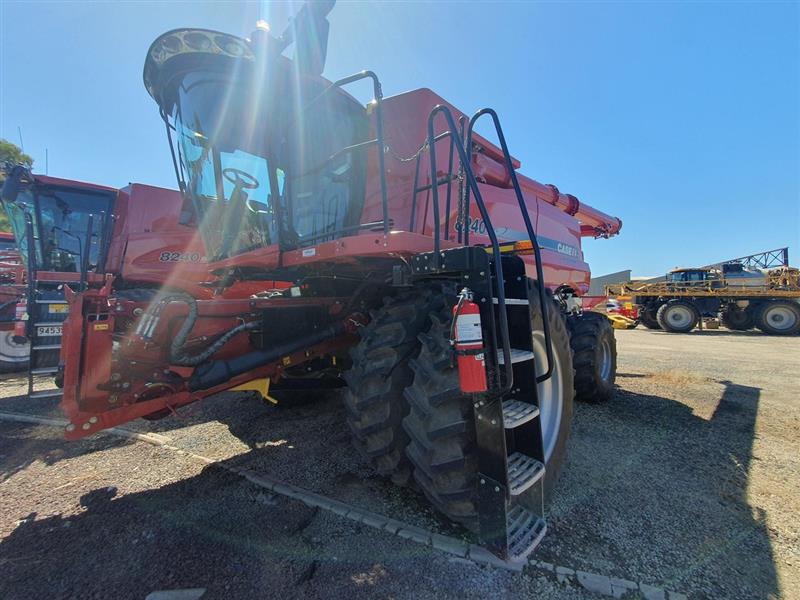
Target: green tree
(10, 154)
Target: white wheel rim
(679, 316)
(781, 318)
(12, 351)
(605, 360)
(551, 396)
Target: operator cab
(263, 151)
(69, 222)
(689, 276)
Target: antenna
(21, 144)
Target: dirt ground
(687, 481)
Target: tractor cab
(59, 226)
(267, 156)
(690, 276)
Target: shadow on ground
(652, 493)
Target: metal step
(525, 531)
(51, 302)
(517, 355)
(513, 301)
(44, 371)
(47, 346)
(45, 394)
(49, 324)
(523, 472)
(517, 412)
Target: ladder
(508, 418)
(47, 311)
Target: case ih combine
(429, 274)
(81, 234)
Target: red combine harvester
(82, 234)
(441, 284)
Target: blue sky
(680, 118)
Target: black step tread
(517, 355)
(44, 371)
(517, 412)
(525, 531)
(513, 301)
(523, 472)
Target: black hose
(177, 355)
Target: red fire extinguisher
(468, 341)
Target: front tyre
(594, 350)
(374, 396)
(678, 316)
(778, 317)
(441, 423)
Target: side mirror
(13, 183)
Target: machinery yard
(685, 481)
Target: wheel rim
(551, 396)
(781, 318)
(679, 316)
(12, 351)
(605, 360)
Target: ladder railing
(503, 384)
(528, 227)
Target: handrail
(506, 386)
(528, 226)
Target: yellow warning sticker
(100, 326)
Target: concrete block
(483, 556)
(393, 526)
(449, 545)
(620, 587)
(600, 584)
(564, 574)
(416, 534)
(651, 592)
(374, 520)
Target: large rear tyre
(647, 317)
(737, 319)
(779, 317)
(678, 316)
(374, 396)
(594, 349)
(14, 353)
(441, 421)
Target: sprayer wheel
(374, 396)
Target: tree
(10, 154)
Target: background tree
(10, 155)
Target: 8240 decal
(181, 257)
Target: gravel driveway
(687, 481)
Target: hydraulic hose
(177, 354)
(217, 372)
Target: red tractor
(438, 282)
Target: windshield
(60, 218)
(260, 170)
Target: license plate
(59, 308)
(48, 330)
